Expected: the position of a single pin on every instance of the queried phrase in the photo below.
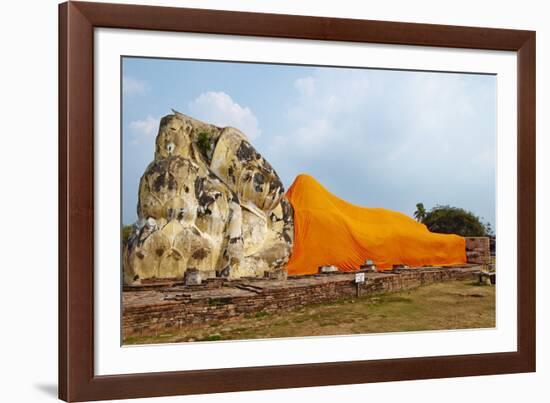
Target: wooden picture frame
(77, 21)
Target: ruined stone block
(478, 250)
(192, 277)
(328, 269)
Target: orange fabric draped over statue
(331, 231)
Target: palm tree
(420, 213)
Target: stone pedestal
(192, 276)
(328, 269)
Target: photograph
(263, 201)
(275, 201)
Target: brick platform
(154, 309)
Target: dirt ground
(447, 305)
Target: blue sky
(378, 138)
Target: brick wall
(159, 311)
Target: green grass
(448, 305)
(212, 337)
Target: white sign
(359, 277)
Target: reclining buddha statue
(211, 203)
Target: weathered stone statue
(209, 201)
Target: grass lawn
(447, 305)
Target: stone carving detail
(209, 201)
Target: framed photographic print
(256, 201)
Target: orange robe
(331, 231)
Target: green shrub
(127, 232)
(204, 142)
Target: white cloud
(133, 86)
(328, 93)
(313, 134)
(219, 109)
(147, 127)
(408, 115)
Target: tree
(489, 230)
(420, 213)
(454, 220)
